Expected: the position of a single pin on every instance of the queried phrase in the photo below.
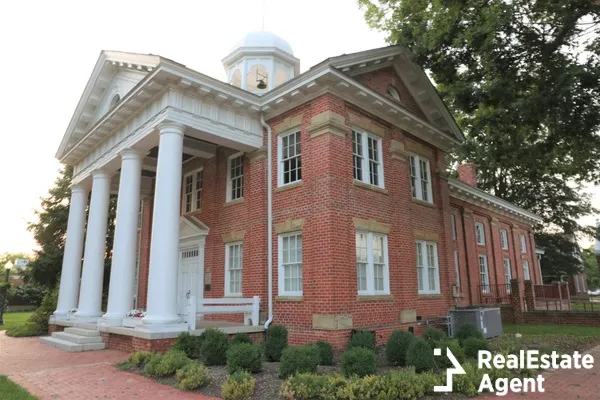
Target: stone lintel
(233, 236)
(328, 122)
(289, 225)
(422, 234)
(288, 123)
(370, 225)
(367, 124)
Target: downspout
(269, 218)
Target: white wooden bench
(250, 307)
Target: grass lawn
(13, 319)
(11, 391)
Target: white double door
(191, 274)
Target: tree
(592, 269)
(522, 78)
(12, 257)
(50, 231)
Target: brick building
(317, 200)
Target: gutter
(269, 218)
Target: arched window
(393, 93)
(236, 78)
(115, 100)
(257, 72)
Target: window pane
(361, 261)
(291, 162)
(199, 179)
(237, 178)
(424, 179)
(413, 175)
(357, 155)
(292, 262)
(373, 161)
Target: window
(504, 239)
(393, 93)
(457, 267)
(526, 275)
(372, 273)
(420, 178)
(484, 277)
(290, 158)
(453, 225)
(192, 190)
(140, 215)
(290, 264)
(428, 273)
(480, 233)
(523, 244)
(507, 273)
(235, 177)
(367, 157)
(233, 269)
(114, 101)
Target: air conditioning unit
(487, 320)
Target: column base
(110, 321)
(161, 319)
(86, 316)
(162, 328)
(60, 316)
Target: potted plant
(133, 318)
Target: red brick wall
(562, 318)
(55, 328)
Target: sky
(49, 49)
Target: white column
(164, 245)
(71, 267)
(90, 295)
(122, 272)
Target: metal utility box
(487, 320)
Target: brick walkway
(566, 384)
(52, 374)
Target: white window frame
(453, 226)
(228, 269)
(229, 178)
(365, 162)
(457, 267)
(280, 160)
(281, 267)
(507, 272)
(425, 277)
(526, 271)
(484, 276)
(523, 244)
(480, 233)
(194, 193)
(370, 270)
(417, 192)
(504, 239)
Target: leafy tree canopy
(522, 78)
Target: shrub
(192, 376)
(298, 359)
(304, 386)
(467, 331)
(213, 347)
(166, 365)
(433, 335)
(244, 357)
(29, 294)
(407, 384)
(26, 330)
(276, 341)
(239, 386)
(240, 338)
(468, 383)
(364, 339)
(397, 346)
(454, 345)
(189, 344)
(42, 314)
(140, 358)
(420, 355)
(325, 352)
(472, 345)
(359, 361)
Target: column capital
(171, 127)
(78, 189)
(100, 174)
(132, 154)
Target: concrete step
(69, 337)
(82, 332)
(70, 346)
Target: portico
(133, 147)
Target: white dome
(263, 39)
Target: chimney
(467, 173)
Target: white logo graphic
(457, 369)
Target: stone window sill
(375, 297)
(289, 298)
(369, 187)
(422, 202)
(233, 202)
(288, 186)
(430, 297)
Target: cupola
(260, 61)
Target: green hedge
(364, 339)
(397, 347)
(213, 347)
(420, 355)
(276, 341)
(298, 359)
(359, 361)
(239, 386)
(244, 357)
(325, 352)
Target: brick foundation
(55, 328)
(579, 318)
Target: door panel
(188, 277)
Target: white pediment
(190, 227)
